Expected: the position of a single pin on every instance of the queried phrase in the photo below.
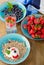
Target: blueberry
(2, 10)
(15, 6)
(14, 51)
(15, 10)
(5, 13)
(8, 47)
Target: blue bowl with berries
(14, 37)
(33, 26)
(12, 9)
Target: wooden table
(36, 56)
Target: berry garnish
(14, 51)
(15, 56)
(32, 18)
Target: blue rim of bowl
(23, 7)
(22, 59)
(30, 37)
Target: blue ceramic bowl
(16, 37)
(25, 32)
(4, 5)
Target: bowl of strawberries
(33, 27)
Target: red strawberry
(28, 18)
(30, 22)
(32, 18)
(25, 26)
(42, 22)
(33, 36)
(39, 32)
(42, 30)
(42, 36)
(37, 36)
(36, 21)
(29, 28)
(38, 27)
(11, 25)
(13, 19)
(32, 26)
(41, 18)
(9, 17)
(35, 27)
(31, 31)
(15, 56)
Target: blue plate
(4, 5)
(16, 37)
(25, 32)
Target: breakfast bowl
(12, 8)
(4, 43)
(33, 29)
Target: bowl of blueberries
(12, 9)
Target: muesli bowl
(14, 37)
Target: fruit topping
(35, 26)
